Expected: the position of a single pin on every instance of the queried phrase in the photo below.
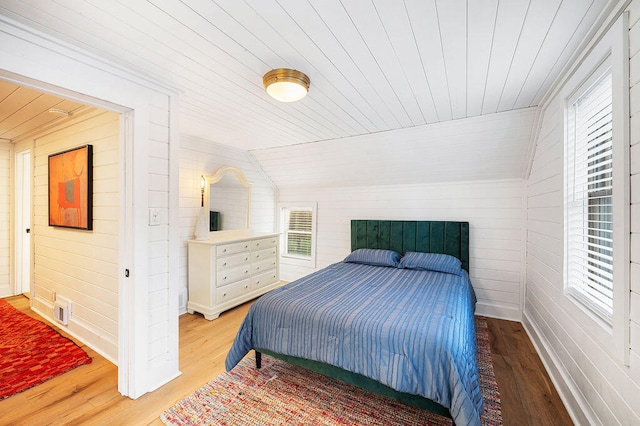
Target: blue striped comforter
(410, 330)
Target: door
(23, 223)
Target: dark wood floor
(528, 396)
(88, 394)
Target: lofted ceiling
(375, 65)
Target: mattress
(407, 329)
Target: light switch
(154, 217)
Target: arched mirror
(229, 200)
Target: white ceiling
(375, 66)
(490, 147)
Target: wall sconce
(286, 85)
(202, 223)
(202, 182)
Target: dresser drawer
(233, 275)
(263, 279)
(263, 265)
(257, 256)
(230, 262)
(225, 249)
(229, 269)
(230, 292)
(264, 243)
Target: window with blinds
(589, 198)
(298, 232)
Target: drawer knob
(246, 271)
(257, 256)
(224, 264)
(224, 278)
(246, 258)
(258, 282)
(224, 294)
(246, 246)
(224, 251)
(246, 286)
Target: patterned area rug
(32, 352)
(282, 394)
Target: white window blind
(299, 232)
(589, 191)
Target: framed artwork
(71, 188)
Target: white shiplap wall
(595, 386)
(200, 156)
(634, 82)
(494, 209)
(6, 255)
(81, 266)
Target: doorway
(23, 223)
(46, 263)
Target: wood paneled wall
(81, 266)
(634, 82)
(199, 156)
(596, 387)
(6, 203)
(494, 210)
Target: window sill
(298, 261)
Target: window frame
(291, 259)
(610, 51)
(586, 87)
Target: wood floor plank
(88, 395)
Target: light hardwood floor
(88, 394)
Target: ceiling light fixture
(59, 112)
(286, 85)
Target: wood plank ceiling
(24, 111)
(374, 65)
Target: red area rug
(282, 394)
(32, 352)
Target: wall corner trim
(533, 142)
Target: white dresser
(229, 269)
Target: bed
(391, 323)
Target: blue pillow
(431, 262)
(375, 257)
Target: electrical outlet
(154, 217)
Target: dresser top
(221, 237)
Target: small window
(590, 192)
(298, 233)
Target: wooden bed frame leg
(258, 359)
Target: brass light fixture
(202, 222)
(202, 182)
(286, 85)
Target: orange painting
(70, 188)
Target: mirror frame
(242, 179)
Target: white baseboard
(500, 312)
(79, 331)
(574, 402)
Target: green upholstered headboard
(403, 236)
